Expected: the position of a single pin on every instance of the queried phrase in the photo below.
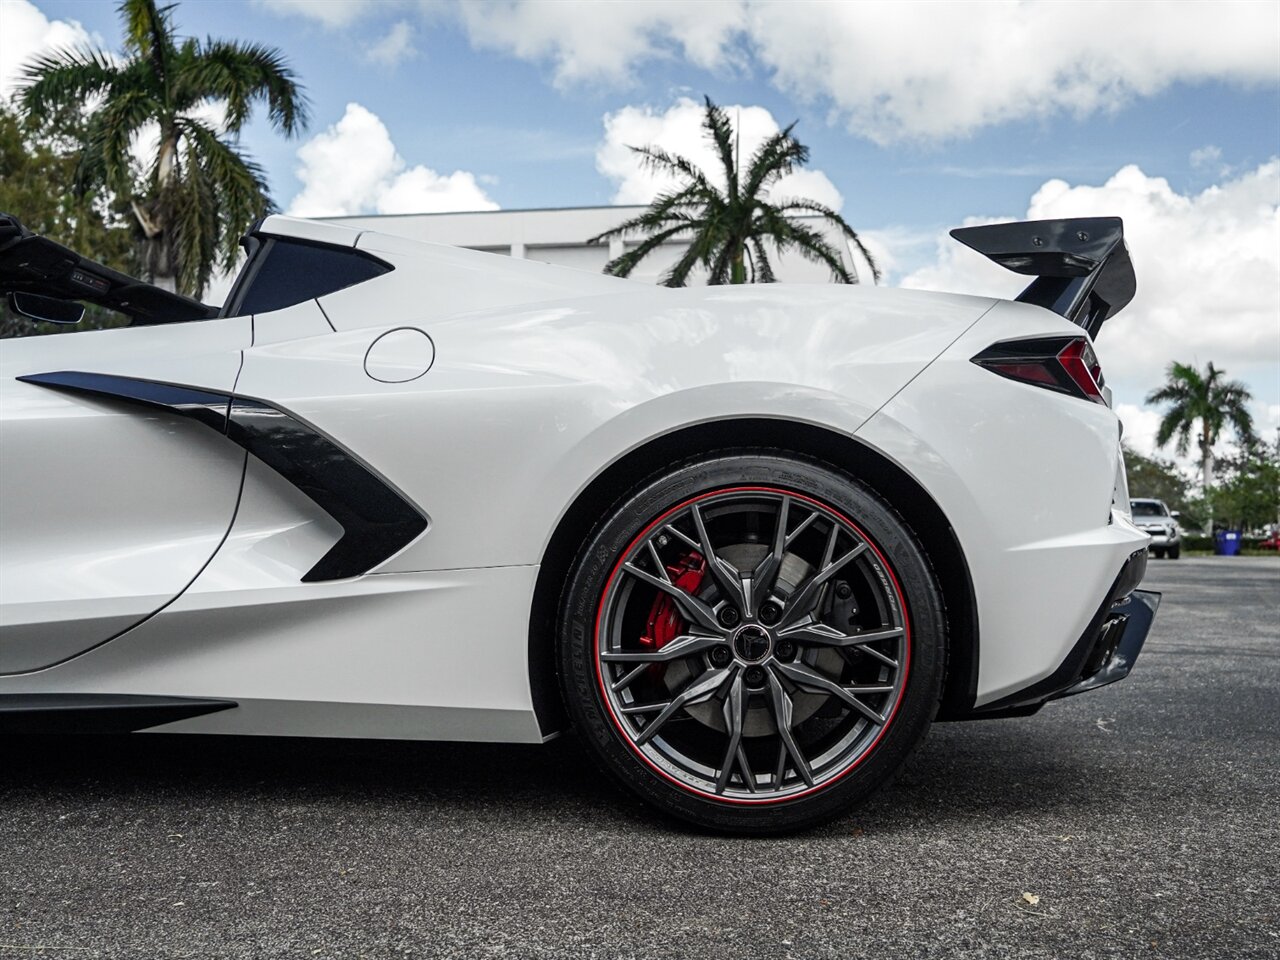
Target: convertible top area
(33, 264)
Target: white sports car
(750, 541)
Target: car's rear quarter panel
(523, 408)
(1026, 478)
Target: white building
(559, 236)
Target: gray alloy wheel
(751, 644)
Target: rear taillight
(1063, 364)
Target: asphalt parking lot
(1143, 821)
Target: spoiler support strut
(1081, 266)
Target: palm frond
(1175, 422)
(788, 233)
(760, 262)
(234, 189)
(127, 109)
(665, 210)
(191, 208)
(51, 80)
(240, 75)
(720, 131)
(822, 210)
(1167, 393)
(656, 160)
(622, 265)
(699, 251)
(148, 31)
(1233, 399)
(774, 159)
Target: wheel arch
(889, 480)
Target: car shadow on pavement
(963, 771)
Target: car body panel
(565, 389)
(537, 381)
(1026, 479)
(109, 513)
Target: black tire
(835, 497)
(1175, 552)
(1157, 552)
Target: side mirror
(33, 306)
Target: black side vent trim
(376, 521)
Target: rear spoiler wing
(30, 263)
(1081, 266)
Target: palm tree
(730, 226)
(199, 190)
(1205, 398)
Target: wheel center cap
(752, 643)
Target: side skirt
(97, 712)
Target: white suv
(1153, 517)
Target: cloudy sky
(920, 117)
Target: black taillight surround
(1062, 364)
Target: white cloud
(353, 167)
(904, 70)
(1140, 426)
(1208, 268)
(896, 248)
(395, 47)
(901, 70)
(330, 13)
(891, 70)
(679, 130)
(603, 42)
(26, 32)
(1206, 156)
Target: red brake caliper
(665, 622)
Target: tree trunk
(738, 266)
(161, 258)
(1206, 467)
(1206, 470)
(165, 281)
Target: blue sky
(918, 116)
(451, 106)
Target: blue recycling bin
(1226, 543)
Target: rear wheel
(752, 642)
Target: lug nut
(843, 590)
(720, 656)
(729, 616)
(754, 677)
(786, 650)
(770, 613)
